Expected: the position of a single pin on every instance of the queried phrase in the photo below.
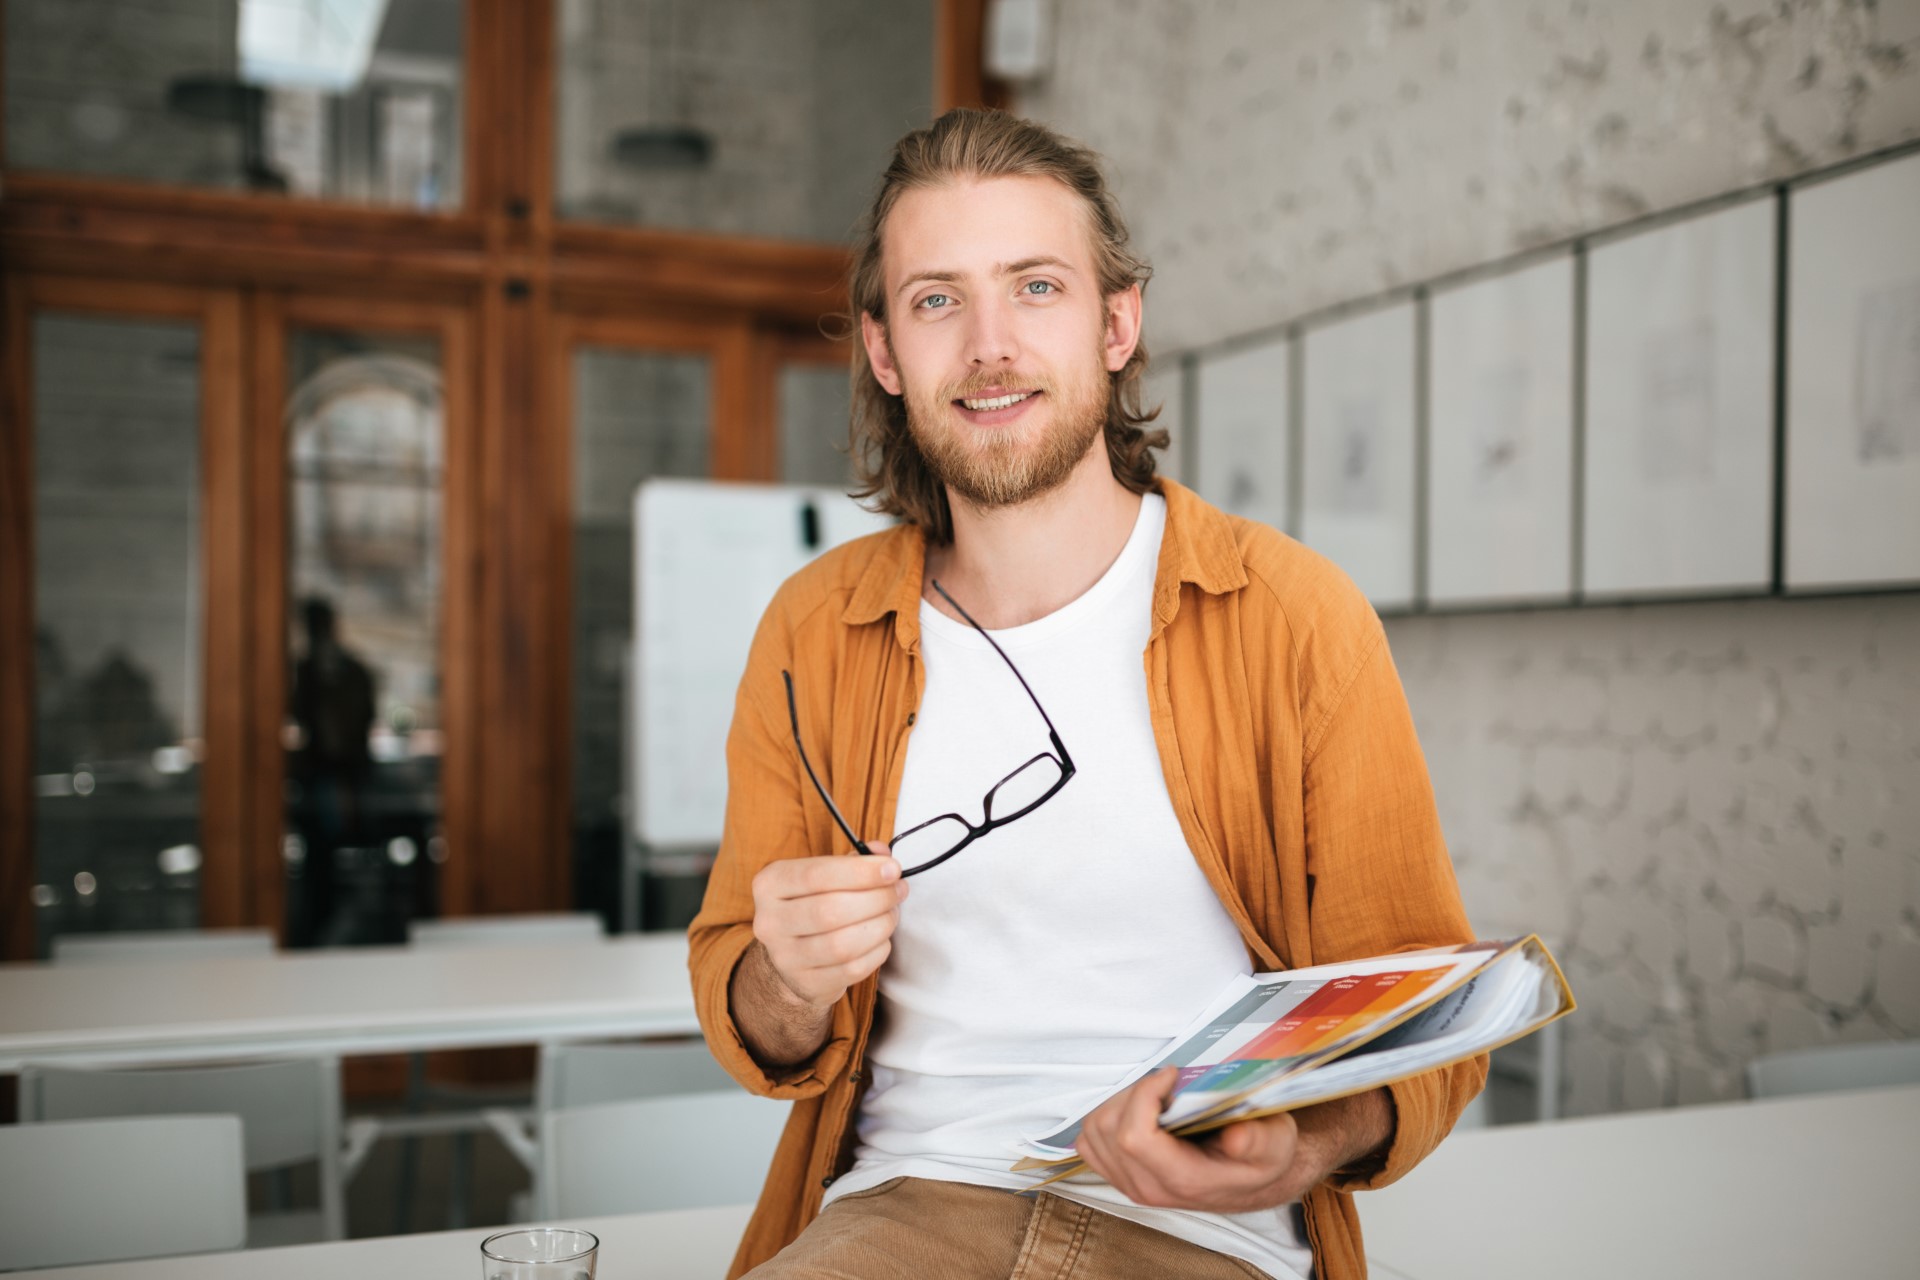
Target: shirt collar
(1198, 546)
(891, 584)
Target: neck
(1012, 565)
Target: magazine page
(1510, 997)
(1272, 1025)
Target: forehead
(972, 226)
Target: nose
(992, 339)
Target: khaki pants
(915, 1229)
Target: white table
(345, 1002)
(682, 1244)
(1790, 1188)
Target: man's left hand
(1249, 1165)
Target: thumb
(1267, 1140)
(1240, 1142)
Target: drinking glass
(539, 1253)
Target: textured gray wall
(1708, 809)
(801, 98)
(1346, 146)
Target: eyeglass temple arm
(793, 718)
(1052, 733)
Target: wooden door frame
(226, 562)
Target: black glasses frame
(1059, 756)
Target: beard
(992, 467)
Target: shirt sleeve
(1380, 880)
(764, 822)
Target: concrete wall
(801, 100)
(1709, 809)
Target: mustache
(977, 385)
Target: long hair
(966, 143)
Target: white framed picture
(1852, 514)
(1357, 449)
(1500, 442)
(1241, 435)
(1679, 461)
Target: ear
(1123, 327)
(873, 335)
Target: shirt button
(910, 716)
(826, 1181)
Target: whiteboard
(1853, 380)
(1679, 387)
(708, 557)
(1242, 432)
(1500, 523)
(1357, 506)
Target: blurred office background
(339, 334)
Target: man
(1175, 750)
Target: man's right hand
(819, 926)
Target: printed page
(1507, 999)
(1272, 1025)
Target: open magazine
(1271, 1042)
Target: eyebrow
(1003, 269)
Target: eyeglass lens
(1012, 797)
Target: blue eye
(934, 301)
(1040, 286)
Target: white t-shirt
(1039, 965)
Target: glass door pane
(341, 99)
(118, 608)
(636, 414)
(816, 402)
(734, 116)
(366, 448)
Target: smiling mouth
(998, 402)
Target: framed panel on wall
(1500, 497)
(1853, 380)
(1165, 387)
(1357, 450)
(1241, 437)
(1678, 469)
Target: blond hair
(889, 467)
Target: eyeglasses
(1021, 792)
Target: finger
(1120, 1139)
(830, 950)
(836, 978)
(827, 912)
(803, 877)
(866, 964)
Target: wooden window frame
(523, 284)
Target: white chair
(679, 1152)
(134, 947)
(1835, 1068)
(533, 929)
(106, 1190)
(585, 1075)
(289, 1112)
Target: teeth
(998, 402)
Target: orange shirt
(1289, 756)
